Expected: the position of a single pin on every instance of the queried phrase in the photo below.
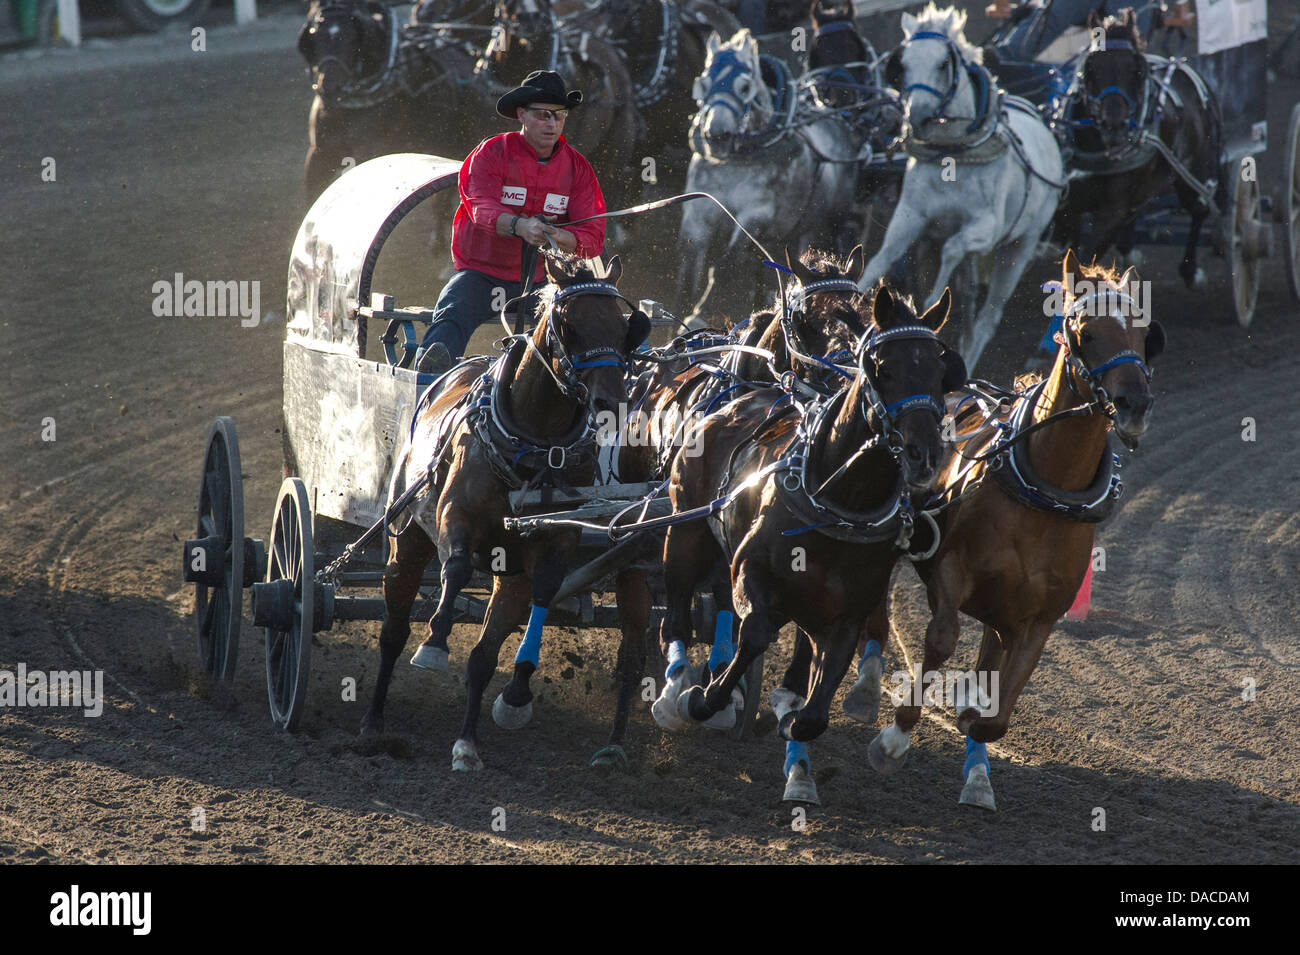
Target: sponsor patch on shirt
(515, 195)
(556, 204)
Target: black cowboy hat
(539, 86)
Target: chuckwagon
(1231, 62)
(347, 414)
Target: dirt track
(191, 163)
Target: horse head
(1113, 78)
(836, 42)
(829, 314)
(343, 41)
(731, 94)
(910, 371)
(935, 70)
(1111, 342)
(582, 334)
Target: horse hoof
(881, 761)
(430, 658)
(511, 717)
(800, 787)
(863, 700)
(978, 791)
(664, 709)
(464, 758)
(725, 718)
(609, 759)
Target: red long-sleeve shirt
(503, 176)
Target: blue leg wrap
(723, 647)
(531, 648)
(676, 659)
(976, 753)
(872, 649)
(1048, 344)
(796, 752)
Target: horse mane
(949, 21)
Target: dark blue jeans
(467, 300)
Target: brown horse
(1017, 535)
(527, 421)
(675, 395)
(808, 507)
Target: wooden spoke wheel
(1290, 203)
(1244, 240)
(286, 604)
(214, 560)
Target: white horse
(787, 175)
(976, 187)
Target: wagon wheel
(1291, 203)
(219, 560)
(286, 604)
(1242, 238)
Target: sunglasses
(559, 115)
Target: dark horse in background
(383, 88)
(1123, 98)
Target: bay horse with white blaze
(1017, 528)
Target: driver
(513, 189)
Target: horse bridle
(602, 357)
(889, 415)
(894, 71)
(357, 14)
(793, 315)
(726, 68)
(1093, 104)
(1069, 340)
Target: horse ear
(714, 43)
(856, 264)
(614, 271)
(937, 313)
(1092, 20)
(1155, 343)
(1069, 269)
(882, 307)
(801, 271)
(909, 24)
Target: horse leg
(977, 790)
(690, 553)
(505, 611)
(412, 551)
(904, 229)
(634, 616)
(456, 572)
(785, 699)
(1193, 277)
(513, 708)
(1021, 657)
(863, 700)
(887, 750)
(724, 647)
(1009, 262)
(750, 593)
